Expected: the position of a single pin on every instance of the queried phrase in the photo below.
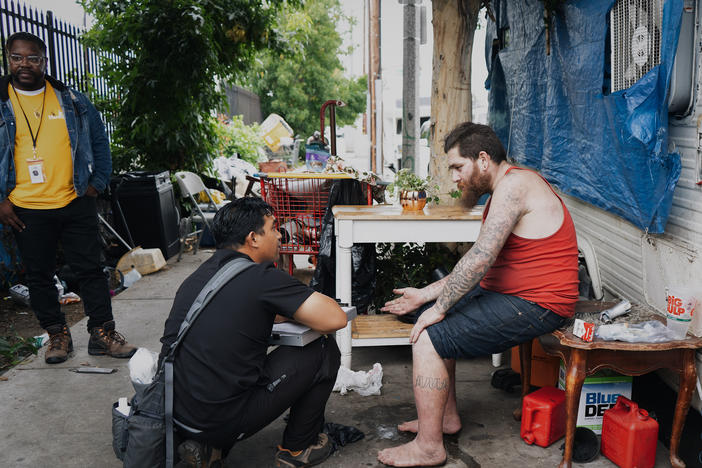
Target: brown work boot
(105, 340)
(195, 454)
(60, 344)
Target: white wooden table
(387, 223)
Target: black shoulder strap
(222, 277)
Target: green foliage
(405, 179)
(165, 58)
(408, 180)
(234, 136)
(14, 349)
(296, 84)
(401, 265)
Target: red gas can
(629, 435)
(543, 416)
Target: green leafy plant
(165, 60)
(13, 349)
(405, 179)
(409, 264)
(235, 137)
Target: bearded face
(470, 175)
(475, 187)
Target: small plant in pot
(413, 191)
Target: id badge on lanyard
(36, 171)
(35, 165)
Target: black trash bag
(341, 435)
(345, 192)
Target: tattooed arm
(506, 209)
(411, 299)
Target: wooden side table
(584, 359)
(386, 223)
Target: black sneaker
(195, 454)
(312, 455)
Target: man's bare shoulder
(513, 186)
(526, 183)
(526, 177)
(543, 211)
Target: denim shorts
(485, 322)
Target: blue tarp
(609, 150)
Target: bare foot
(412, 454)
(451, 425)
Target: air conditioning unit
(635, 45)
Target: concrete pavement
(50, 416)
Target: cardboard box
(544, 368)
(599, 393)
(273, 129)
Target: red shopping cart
(299, 201)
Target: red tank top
(543, 270)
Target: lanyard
(41, 118)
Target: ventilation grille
(635, 40)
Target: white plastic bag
(131, 277)
(652, 331)
(143, 366)
(363, 383)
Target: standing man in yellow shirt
(54, 160)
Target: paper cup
(681, 307)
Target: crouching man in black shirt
(226, 387)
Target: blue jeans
(486, 322)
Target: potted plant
(413, 191)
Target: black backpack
(144, 439)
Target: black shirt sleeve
(281, 293)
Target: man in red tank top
(517, 282)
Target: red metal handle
(332, 121)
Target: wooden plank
(379, 326)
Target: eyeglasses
(32, 59)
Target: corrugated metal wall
(685, 220)
(617, 245)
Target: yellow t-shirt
(53, 149)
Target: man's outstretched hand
(410, 299)
(428, 317)
(8, 216)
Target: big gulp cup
(681, 306)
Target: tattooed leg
(452, 421)
(431, 389)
